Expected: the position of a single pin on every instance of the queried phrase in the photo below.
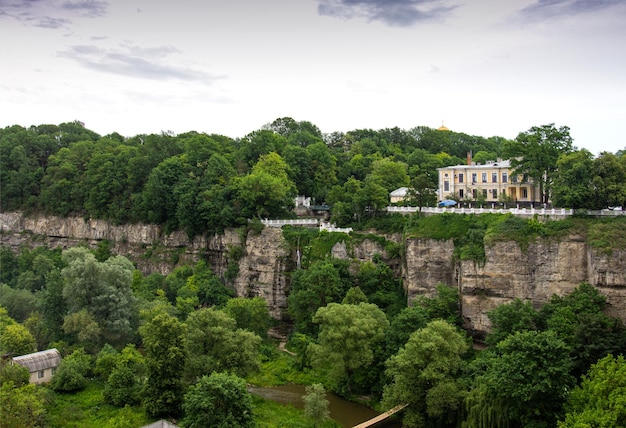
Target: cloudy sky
(483, 67)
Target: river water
(345, 412)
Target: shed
(41, 365)
(161, 424)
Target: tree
(351, 337)
(250, 314)
(312, 289)
(220, 400)
(22, 407)
(574, 181)
(215, 344)
(125, 383)
(316, 404)
(535, 152)
(529, 373)
(73, 372)
(15, 339)
(164, 343)
(610, 180)
(101, 289)
(389, 174)
(423, 375)
(600, 400)
(267, 191)
(510, 318)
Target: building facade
(41, 365)
(491, 182)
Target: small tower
(442, 127)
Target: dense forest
(204, 183)
(181, 346)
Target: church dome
(442, 128)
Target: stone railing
(553, 212)
(306, 222)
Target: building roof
(39, 360)
(161, 424)
(490, 164)
(402, 191)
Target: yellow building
(491, 182)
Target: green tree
(610, 180)
(22, 407)
(510, 318)
(14, 373)
(103, 290)
(220, 400)
(424, 375)
(530, 372)
(250, 314)
(215, 344)
(312, 289)
(267, 191)
(164, 340)
(73, 372)
(350, 338)
(316, 404)
(574, 181)
(535, 153)
(389, 174)
(125, 383)
(15, 339)
(600, 400)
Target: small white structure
(399, 195)
(41, 365)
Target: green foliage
(124, 384)
(250, 314)
(21, 406)
(219, 400)
(600, 399)
(86, 409)
(530, 372)
(606, 235)
(73, 372)
(14, 373)
(164, 340)
(15, 339)
(509, 318)
(424, 375)
(215, 344)
(351, 337)
(316, 404)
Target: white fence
(306, 222)
(556, 212)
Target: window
(485, 193)
(53, 371)
(474, 193)
(524, 192)
(484, 176)
(474, 175)
(514, 179)
(446, 186)
(461, 178)
(505, 177)
(494, 177)
(41, 374)
(461, 193)
(495, 193)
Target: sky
(482, 67)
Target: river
(345, 412)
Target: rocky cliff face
(259, 264)
(535, 274)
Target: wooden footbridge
(381, 417)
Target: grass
(86, 409)
(269, 414)
(282, 370)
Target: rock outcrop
(259, 263)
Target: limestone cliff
(545, 268)
(259, 263)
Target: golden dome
(442, 128)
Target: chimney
(469, 158)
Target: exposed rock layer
(259, 264)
